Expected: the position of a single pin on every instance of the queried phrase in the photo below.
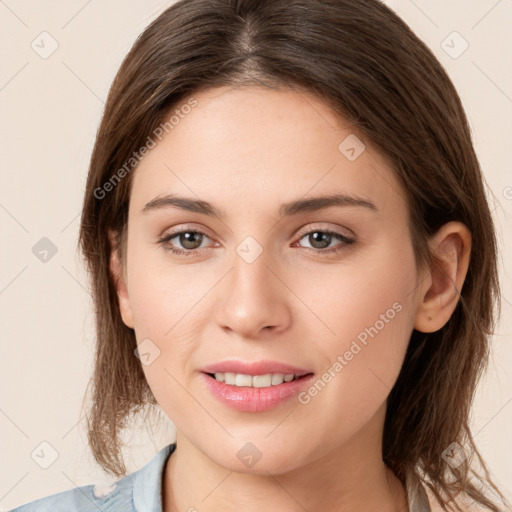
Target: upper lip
(254, 368)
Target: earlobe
(117, 273)
(440, 289)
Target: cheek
(171, 305)
(368, 309)
(165, 296)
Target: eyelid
(346, 238)
(304, 230)
(317, 226)
(185, 227)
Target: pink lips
(255, 368)
(249, 399)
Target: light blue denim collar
(416, 495)
(148, 482)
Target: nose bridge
(252, 297)
(251, 274)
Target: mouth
(255, 393)
(256, 381)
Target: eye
(321, 241)
(191, 241)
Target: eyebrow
(286, 209)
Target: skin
(247, 151)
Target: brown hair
(364, 62)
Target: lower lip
(248, 399)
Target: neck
(350, 478)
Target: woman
(292, 255)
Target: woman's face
(264, 280)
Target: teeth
(256, 381)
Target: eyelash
(164, 241)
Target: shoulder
(435, 507)
(140, 490)
(87, 498)
(465, 505)
(422, 499)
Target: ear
(118, 274)
(442, 284)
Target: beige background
(49, 111)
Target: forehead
(252, 146)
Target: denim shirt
(141, 491)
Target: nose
(253, 299)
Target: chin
(258, 458)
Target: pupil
(319, 237)
(189, 240)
